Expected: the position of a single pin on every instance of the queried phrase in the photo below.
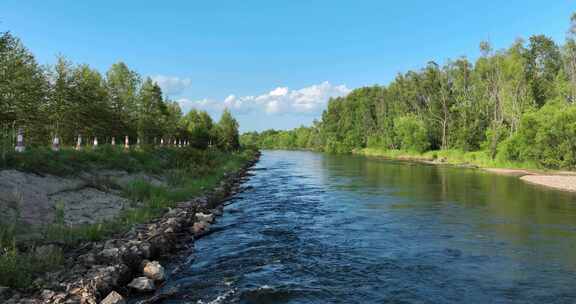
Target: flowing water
(316, 228)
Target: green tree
(227, 131)
(123, 86)
(23, 90)
(199, 126)
(151, 112)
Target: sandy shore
(561, 182)
(514, 172)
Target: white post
(113, 141)
(20, 141)
(79, 143)
(138, 142)
(161, 141)
(56, 144)
(95, 142)
(126, 143)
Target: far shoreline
(550, 179)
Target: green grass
(189, 173)
(69, 161)
(455, 157)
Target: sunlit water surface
(316, 228)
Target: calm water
(315, 228)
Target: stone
(111, 253)
(142, 284)
(110, 277)
(87, 259)
(200, 228)
(201, 217)
(113, 298)
(154, 271)
(59, 298)
(47, 294)
(4, 291)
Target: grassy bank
(188, 173)
(453, 157)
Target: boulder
(113, 298)
(110, 253)
(201, 217)
(109, 277)
(142, 284)
(154, 271)
(47, 294)
(200, 228)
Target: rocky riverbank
(108, 271)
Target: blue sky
(274, 63)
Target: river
(317, 228)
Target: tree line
(69, 100)
(516, 104)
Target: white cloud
(281, 100)
(172, 85)
(279, 92)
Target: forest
(516, 104)
(67, 100)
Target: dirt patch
(88, 205)
(87, 198)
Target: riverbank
(528, 172)
(106, 253)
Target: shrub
(546, 136)
(412, 133)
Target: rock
(142, 284)
(87, 259)
(109, 277)
(59, 298)
(113, 298)
(201, 217)
(109, 244)
(111, 253)
(172, 212)
(47, 294)
(4, 292)
(200, 228)
(154, 271)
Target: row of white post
(20, 147)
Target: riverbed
(317, 228)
